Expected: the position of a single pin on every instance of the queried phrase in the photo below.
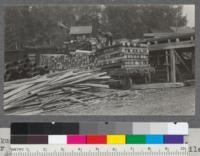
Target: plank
(30, 91)
(182, 61)
(94, 85)
(71, 79)
(20, 81)
(57, 91)
(89, 77)
(26, 93)
(14, 86)
(19, 89)
(76, 100)
(68, 74)
(157, 86)
(175, 45)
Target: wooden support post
(130, 81)
(37, 58)
(177, 40)
(173, 65)
(167, 65)
(158, 60)
(193, 62)
(179, 74)
(182, 61)
(127, 82)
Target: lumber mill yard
(97, 73)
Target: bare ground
(168, 101)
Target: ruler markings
(101, 154)
(100, 150)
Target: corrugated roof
(77, 30)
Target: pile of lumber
(66, 61)
(135, 57)
(130, 58)
(53, 91)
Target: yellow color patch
(116, 139)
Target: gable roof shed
(80, 30)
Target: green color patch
(135, 139)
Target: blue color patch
(154, 139)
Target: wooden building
(173, 56)
(32, 52)
(80, 31)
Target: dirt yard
(169, 101)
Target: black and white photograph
(110, 60)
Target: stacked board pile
(53, 91)
(126, 59)
(58, 62)
(81, 61)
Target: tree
(16, 31)
(133, 21)
(38, 25)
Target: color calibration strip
(99, 133)
(97, 139)
(137, 128)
